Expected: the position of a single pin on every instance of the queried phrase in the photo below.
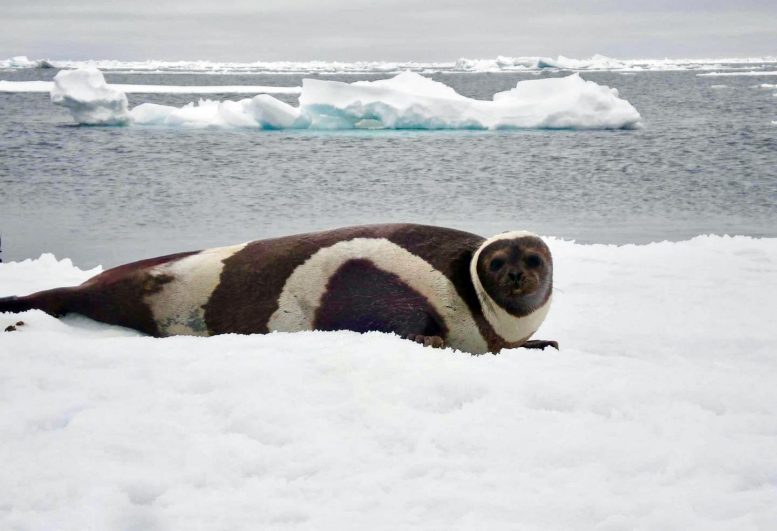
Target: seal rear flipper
(56, 302)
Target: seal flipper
(56, 302)
(428, 341)
(540, 344)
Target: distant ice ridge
(47, 86)
(498, 64)
(406, 101)
(22, 61)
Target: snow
(657, 412)
(498, 64)
(47, 86)
(88, 98)
(405, 101)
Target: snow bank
(88, 98)
(406, 101)
(657, 413)
(47, 86)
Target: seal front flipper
(427, 341)
(540, 344)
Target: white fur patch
(507, 326)
(178, 307)
(305, 287)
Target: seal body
(413, 280)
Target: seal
(433, 285)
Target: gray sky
(402, 30)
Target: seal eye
(496, 264)
(533, 261)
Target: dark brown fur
(361, 297)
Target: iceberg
(89, 98)
(405, 101)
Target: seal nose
(515, 276)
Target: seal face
(513, 277)
(433, 285)
(517, 273)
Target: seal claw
(540, 344)
(428, 341)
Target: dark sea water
(705, 162)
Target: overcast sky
(402, 30)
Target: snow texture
(498, 64)
(406, 101)
(47, 86)
(658, 412)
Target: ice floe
(740, 73)
(406, 101)
(89, 99)
(657, 412)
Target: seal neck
(510, 328)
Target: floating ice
(742, 73)
(88, 98)
(406, 101)
(46, 86)
(262, 111)
(657, 412)
(20, 61)
(597, 62)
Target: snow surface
(406, 101)
(658, 412)
(498, 64)
(47, 86)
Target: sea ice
(498, 64)
(597, 62)
(88, 98)
(46, 86)
(657, 412)
(406, 101)
(740, 73)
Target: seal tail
(56, 302)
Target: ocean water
(705, 162)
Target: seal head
(513, 277)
